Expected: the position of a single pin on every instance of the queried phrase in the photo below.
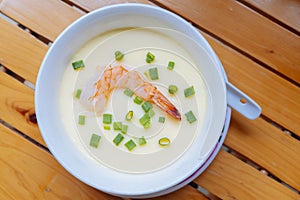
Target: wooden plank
(286, 11)
(262, 85)
(17, 102)
(90, 5)
(47, 18)
(17, 107)
(229, 178)
(20, 51)
(267, 146)
(28, 172)
(186, 192)
(245, 29)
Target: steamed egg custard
(135, 98)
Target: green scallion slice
(117, 126)
(146, 73)
(119, 55)
(153, 73)
(107, 118)
(128, 92)
(144, 119)
(124, 128)
(78, 93)
(106, 127)
(150, 57)
(130, 145)
(146, 106)
(81, 119)
(190, 91)
(151, 113)
(94, 141)
(118, 139)
(171, 65)
(129, 115)
(190, 117)
(161, 120)
(172, 89)
(142, 141)
(138, 100)
(147, 124)
(164, 141)
(77, 65)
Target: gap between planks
(258, 167)
(227, 45)
(221, 41)
(285, 20)
(265, 56)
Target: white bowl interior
(73, 156)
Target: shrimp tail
(163, 103)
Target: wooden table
(259, 45)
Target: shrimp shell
(96, 94)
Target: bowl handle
(241, 102)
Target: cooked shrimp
(96, 95)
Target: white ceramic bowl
(68, 151)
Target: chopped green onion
(124, 128)
(130, 145)
(153, 73)
(146, 73)
(190, 117)
(161, 120)
(129, 115)
(171, 65)
(150, 57)
(78, 65)
(94, 141)
(81, 119)
(106, 128)
(107, 118)
(138, 100)
(149, 60)
(119, 55)
(172, 89)
(142, 141)
(118, 139)
(189, 91)
(144, 119)
(78, 93)
(151, 113)
(146, 106)
(117, 126)
(164, 141)
(128, 92)
(147, 124)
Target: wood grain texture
(267, 146)
(17, 107)
(286, 11)
(278, 98)
(16, 104)
(230, 178)
(28, 172)
(245, 29)
(90, 5)
(186, 192)
(20, 51)
(47, 18)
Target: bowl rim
(52, 48)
